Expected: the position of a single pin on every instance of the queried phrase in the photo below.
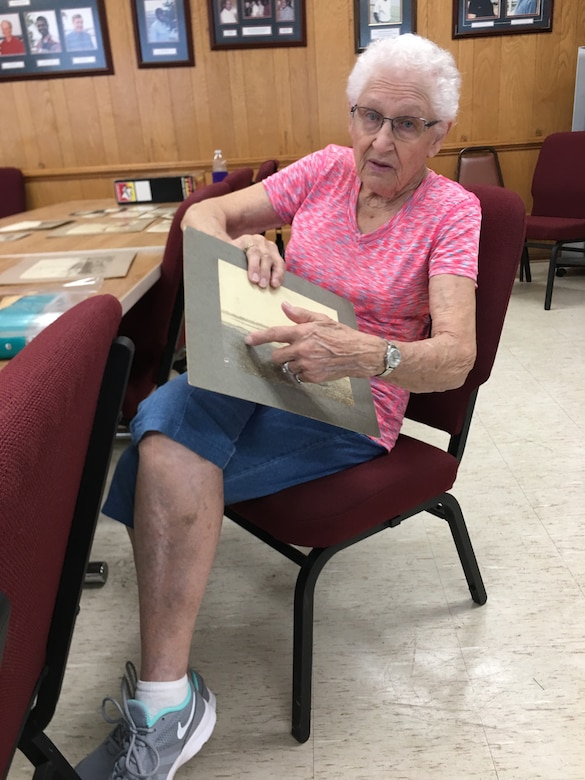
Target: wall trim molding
(122, 171)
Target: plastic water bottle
(219, 166)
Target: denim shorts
(261, 450)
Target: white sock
(157, 696)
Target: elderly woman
(374, 225)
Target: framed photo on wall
(250, 24)
(162, 29)
(382, 19)
(53, 38)
(495, 17)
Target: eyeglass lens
(405, 128)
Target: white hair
(435, 68)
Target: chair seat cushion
(554, 228)
(333, 509)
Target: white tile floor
(411, 680)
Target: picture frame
(472, 18)
(162, 31)
(376, 19)
(252, 24)
(53, 38)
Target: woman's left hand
(318, 349)
(265, 264)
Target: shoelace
(126, 741)
(137, 758)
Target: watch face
(393, 357)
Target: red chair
(60, 401)
(12, 192)
(267, 168)
(4, 617)
(334, 512)
(154, 323)
(240, 178)
(479, 165)
(558, 205)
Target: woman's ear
(441, 131)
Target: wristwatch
(391, 359)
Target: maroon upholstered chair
(558, 204)
(240, 178)
(265, 169)
(154, 323)
(12, 192)
(52, 478)
(4, 618)
(334, 512)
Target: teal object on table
(19, 322)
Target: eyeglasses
(404, 128)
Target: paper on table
(34, 224)
(68, 265)
(96, 228)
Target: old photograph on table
(52, 266)
(50, 38)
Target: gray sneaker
(139, 748)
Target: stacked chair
(558, 206)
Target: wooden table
(145, 268)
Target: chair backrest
(4, 617)
(60, 401)
(558, 184)
(154, 322)
(500, 246)
(265, 169)
(240, 178)
(479, 165)
(12, 192)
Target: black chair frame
(444, 506)
(556, 265)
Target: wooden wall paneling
(155, 113)
(106, 116)
(555, 72)
(463, 130)
(184, 115)
(40, 95)
(253, 96)
(124, 97)
(489, 76)
(517, 83)
(333, 62)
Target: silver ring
(298, 378)
(285, 368)
(248, 246)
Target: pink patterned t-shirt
(385, 273)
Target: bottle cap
(217, 151)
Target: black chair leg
(551, 276)
(450, 510)
(49, 762)
(303, 640)
(525, 266)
